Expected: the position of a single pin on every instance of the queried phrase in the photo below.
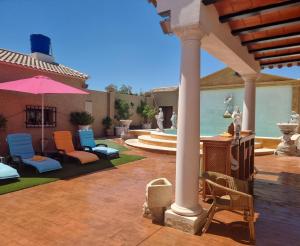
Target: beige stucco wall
(99, 110)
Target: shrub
(146, 111)
(107, 122)
(111, 87)
(125, 89)
(3, 121)
(81, 118)
(122, 110)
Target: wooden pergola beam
(275, 48)
(266, 26)
(278, 55)
(280, 62)
(154, 2)
(259, 10)
(272, 38)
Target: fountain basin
(287, 128)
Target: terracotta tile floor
(105, 208)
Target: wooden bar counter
(233, 157)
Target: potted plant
(147, 112)
(3, 122)
(81, 119)
(122, 116)
(107, 123)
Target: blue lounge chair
(7, 172)
(21, 150)
(87, 142)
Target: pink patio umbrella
(40, 85)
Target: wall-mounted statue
(174, 121)
(237, 120)
(160, 120)
(295, 117)
(228, 109)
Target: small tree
(107, 122)
(111, 87)
(125, 89)
(146, 111)
(122, 110)
(81, 118)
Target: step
(160, 149)
(264, 151)
(139, 132)
(258, 145)
(148, 139)
(161, 135)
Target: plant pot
(147, 126)
(158, 199)
(84, 127)
(119, 130)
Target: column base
(189, 224)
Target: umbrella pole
(43, 123)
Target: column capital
(189, 32)
(250, 77)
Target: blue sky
(113, 41)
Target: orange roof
(11, 57)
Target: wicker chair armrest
(230, 182)
(229, 191)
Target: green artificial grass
(71, 169)
(112, 144)
(23, 183)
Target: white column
(248, 122)
(188, 144)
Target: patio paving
(105, 208)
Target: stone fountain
(287, 146)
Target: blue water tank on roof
(40, 43)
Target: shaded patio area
(105, 208)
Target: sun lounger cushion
(84, 157)
(46, 165)
(87, 139)
(20, 144)
(63, 141)
(7, 172)
(105, 150)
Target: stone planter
(84, 127)
(158, 199)
(287, 146)
(125, 124)
(119, 130)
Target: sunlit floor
(105, 208)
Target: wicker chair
(231, 194)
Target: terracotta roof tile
(12, 57)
